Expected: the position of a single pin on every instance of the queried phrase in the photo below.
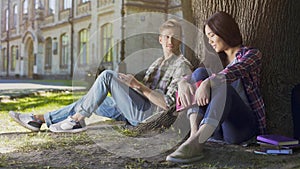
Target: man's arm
(154, 96)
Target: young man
(130, 99)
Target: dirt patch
(82, 151)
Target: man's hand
(185, 91)
(129, 80)
(202, 95)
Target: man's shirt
(164, 77)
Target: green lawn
(14, 137)
(38, 104)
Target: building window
(51, 7)
(107, 43)
(3, 60)
(13, 58)
(84, 1)
(25, 7)
(48, 53)
(83, 47)
(64, 57)
(36, 4)
(67, 4)
(6, 19)
(15, 16)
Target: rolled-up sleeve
(181, 70)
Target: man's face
(170, 40)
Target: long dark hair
(224, 25)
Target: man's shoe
(68, 126)
(26, 120)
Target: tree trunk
(273, 27)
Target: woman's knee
(199, 74)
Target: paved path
(20, 88)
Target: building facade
(57, 38)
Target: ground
(107, 144)
(50, 150)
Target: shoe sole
(188, 160)
(16, 118)
(68, 131)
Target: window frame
(4, 60)
(15, 15)
(13, 58)
(25, 7)
(107, 43)
(83, 47)
(48, 54)
(64, 52)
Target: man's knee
(106, 74)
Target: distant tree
(273, 27)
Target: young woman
(229, 103)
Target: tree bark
(273, 27)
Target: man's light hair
(171, 24)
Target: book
(277, 139)
(180, 107)
(280, 151)
(264, 146)
(273, 151)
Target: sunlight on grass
(38, 104)
(14, 137)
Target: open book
(180, 107)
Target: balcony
(105, 3)
(84, 8)
(49, 19)
(13, 31)
(64, 15)
(3, 35)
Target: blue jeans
(296, 110)
(235, 121)
(124, 103)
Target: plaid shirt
(166, 77)
(247, 68)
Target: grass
(40, 103)
(14, 137)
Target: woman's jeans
(234, 120)
(124, 103)
(296, 110)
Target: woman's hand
(129, 80)
(185, 91)
(202, 94)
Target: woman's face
(215, 41)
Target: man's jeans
(124, 103)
